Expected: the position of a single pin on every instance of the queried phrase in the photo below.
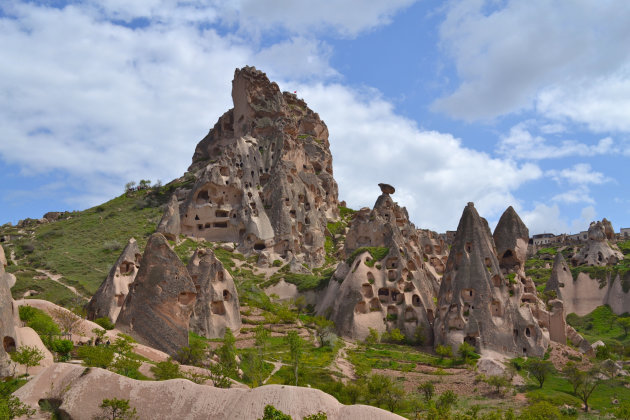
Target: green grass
(377, 253)
(599, 325)
(83, 247)
(48, 289)
(395, 357)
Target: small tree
(100, 335)
(166, 370)
(115, 409)
(587, 385)
(227, 352)
(11, 407)
(67, 320)
(28, 356)
(444, 351)
(261, 336)
(466, 351)
(427, 390)
(573, 375)
(394, 396)
(445, 402)
(295, 349)
(539, 369)
(193, 354)
(625, 324)
(126, 366)
(272, 413)
(378, 388)
(498, 382)
(99, 356)
(220, 375)
(372, 337)
(62, 348)
(129, 186)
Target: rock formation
(160, 301)
(263, 175)
(111, 295)
(482, 303)
(511, 238)
(7, 318)
(598, 251)
(180, 398)
(169, 224)
(398, 290)
(216, 306)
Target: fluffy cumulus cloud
(565, 59)
(434, 174)
(549, 219)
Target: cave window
(468, 247)
(196, 217)
(221, 213)
(227, 296)
(528, 333)
(259, 246)
(9, 344)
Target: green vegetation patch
(46, 288)
(377, 253)
(601, 324)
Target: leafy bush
(166, 370)
(105, 322)
(377, 253)
(96, 356)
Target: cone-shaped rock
(398, 290)
(7, 316)
(216, 306)
(160, 301)
(169, 225)
(598, 250)
(263, 175)
(560, 278)
(480, 306)
(111, 295)
(511, 237)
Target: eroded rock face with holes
(160, 301)
(483, 304)
(169, 224)
(216, 306)
(110, 296)
(7, 318)
(511, 238)
(395, 292)
(263, 175)
(598, 250)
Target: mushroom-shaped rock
(169, 224)
(160, 301)
(511, 237)
(387, 189)
(110, 296)
(263, 175)
(476, 303)
(216, 307)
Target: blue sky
(497, 102)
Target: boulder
(76, 386)
(111, 295)
(216, 307)
(169, 224)
(263, 175)
(395, 292)
(161, 299)
(478, 304)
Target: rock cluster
(263, 176)
(111, 295)
(160, 301)
(598, 250)
(398, 290)
(216, 307)
(485, 300)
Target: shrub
(539, 369)
(62, 348)
(117, 409)
(272, 413)
(105, 322)
(444, 351)
(166, 370)
(97, 356)
(277, 263)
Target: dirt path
(341, 363)
(56, 277)
(276, 367)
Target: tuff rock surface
(598, 250)
(217, 305)
(180, 398)
(7, 318)
(110, 296)
(481, 303)
(169, 224)
(396, 292)
(263, 175)
(160, 301)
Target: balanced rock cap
(387, 189)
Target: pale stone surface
(169, 224)
(7, 317)
(111, 295)
(263, 175)
(396, 292)
(598, 250)
(216, 307)
(477, 304)
(28, 337)
(160, 301)
(182, 399)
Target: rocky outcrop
(598, 250)
(397, 290)
(111, 295)
(157, 310)
(511, 238)
(7, 319)
(217, 306)
(180, 398)
(263, 175)
(480, 302)
(169, 224)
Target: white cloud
(344, 17)
(576, 195)
(434, 174)
(548, 219)
(521, 144)
(580, 173)
(566, 54)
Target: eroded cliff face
(263, 175)
(111, 295)
(7, 317)
(216, 307)
(395, 292)
(161, 299)
(486, 301)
